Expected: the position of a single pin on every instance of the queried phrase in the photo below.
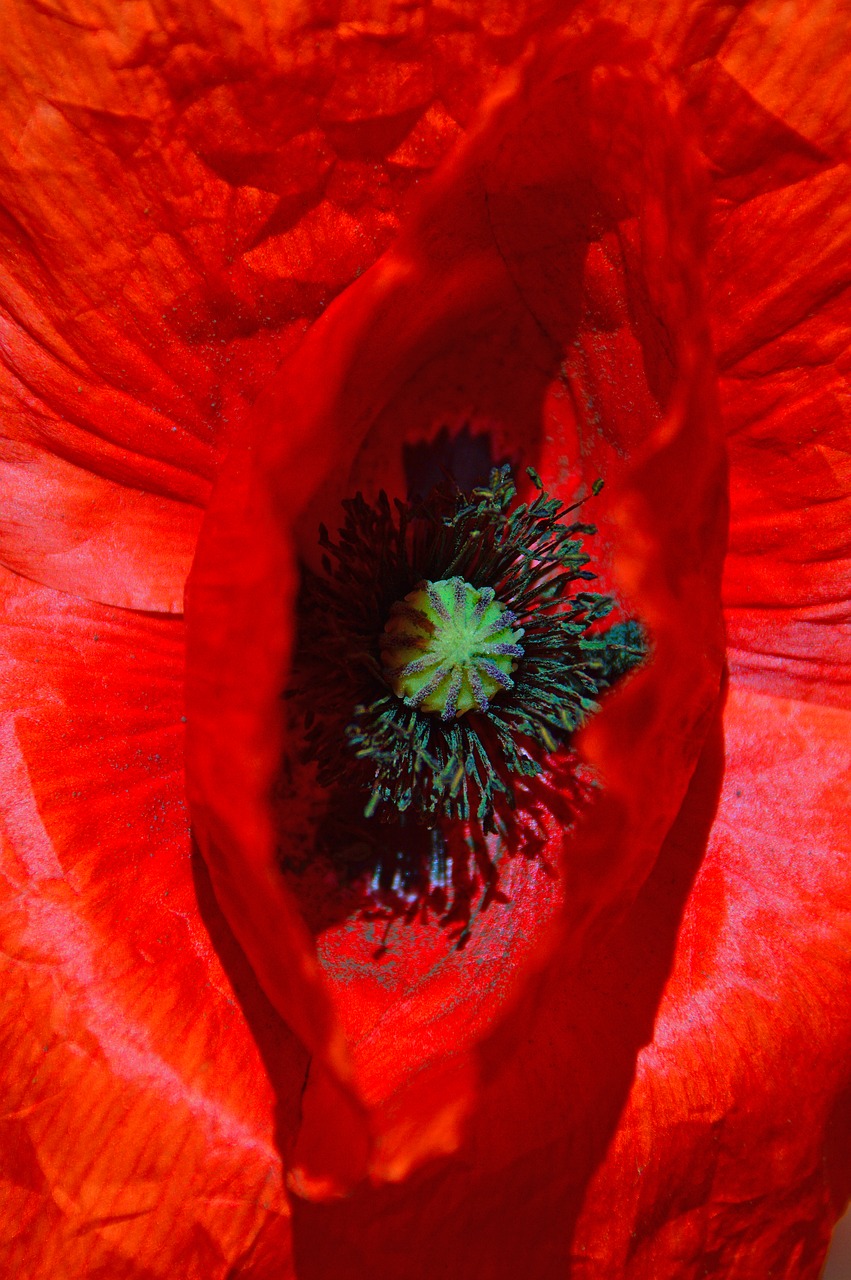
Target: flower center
(448, 647)
(385, 680)
(427, 610)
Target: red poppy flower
(637, 1066)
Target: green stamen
(417, 622)
(448, 647)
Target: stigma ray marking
(449, 647)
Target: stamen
(447, 648)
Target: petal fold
(723, 1146)
(137, 1128)
(69, 528)
(548, 289)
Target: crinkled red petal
(181, 194)
(781, 313)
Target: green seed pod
(448, 647)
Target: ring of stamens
(449, 647)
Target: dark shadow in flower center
(466, 456)
(393, 873)
(393, 868)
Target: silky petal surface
(138, 1127)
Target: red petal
(716, 1164)
(69, 528)
(746, 1080)
(530, 252)
(138, 1122)
(180, 197)
(71, 183)
(781, 244)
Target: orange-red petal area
(184, 189)
(766, 89)
(182, 192)
(547, 289)
(137, 1135)
(782, 324)
(677, 1103)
